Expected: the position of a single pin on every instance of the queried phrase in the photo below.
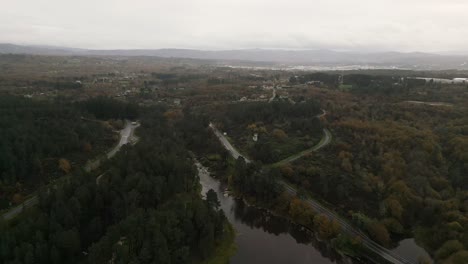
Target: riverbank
(347, 247)
(226, 248)
(295, 212)
(263, 237)
(256, 183)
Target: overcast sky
(401, 25)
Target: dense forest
(281, 128)
(106, 108)
(145, 208)
(41, 140)
(45, 139)
(277, 111)
(397, 166)
(261, 184)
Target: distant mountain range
(414, 60)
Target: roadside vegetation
(146, 209)
(42, 141)
(396, 167)
(270, 132)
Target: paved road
(324, 113)
(346, 227)
(126, 135)
(326, 139)
(429, 103)
(350, 230)
(18, 209)
(234, 153)
(273, 95)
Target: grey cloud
(404, 25)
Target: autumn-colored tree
(301, 212)
(87, 147)
(326, 227)
(393, 166)
(64, 165)
(424, 260)
(379, 232)
(256, 128)
(252, 127)
(311, 171)
(346, 165)
(279, 134)
(287, 171)
(393, 225)
(394, 208)
(17, 198)
(346, 160)
(459, 257)
(117, 124)
(448, 248)
(401, 190)
(173, 114)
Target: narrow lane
(346, 227)
(227, 145)
(125, 137)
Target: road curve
(126, 135)
(326, 139)
(324, 113)
(272, 96)
(345, 226)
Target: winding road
(273, 95)
(126, 136)
(345, 226)
(326, 139)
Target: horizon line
(442, 53)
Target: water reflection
(260, 219)
(411, 251)
(265, 238)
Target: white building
(255, 137)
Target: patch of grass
(226, 248)
(214, 157)
(345, 87)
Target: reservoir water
(408, 249)
(265, 238)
